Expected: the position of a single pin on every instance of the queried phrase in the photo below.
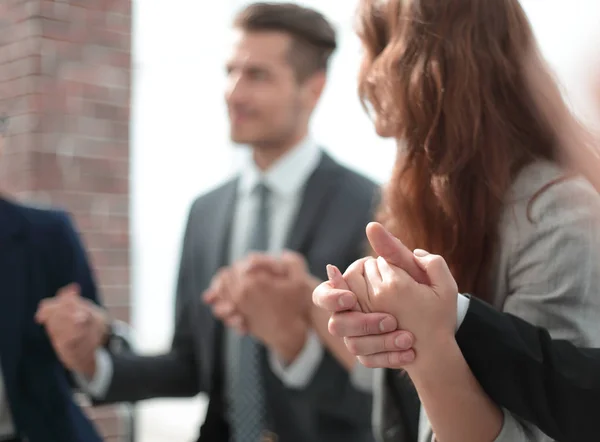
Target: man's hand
(364, 333)
(220, 296)
(428, 311)
(222, 292)
(76, 327)
(274, 297)
(372, 336)
(267, 297)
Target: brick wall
(65, 84)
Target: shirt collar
(287, 175)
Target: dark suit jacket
(550, 383)
(39, 253)
(330, 228)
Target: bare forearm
(457, 407)
(335, 345)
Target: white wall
(178, 150)
(569, 36)
(180, 146)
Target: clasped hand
(76, 327)
(265, 296)
(391, 308)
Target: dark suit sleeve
(173, 374)
(552, 384)
(65, 257)
(70, 257)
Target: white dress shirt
(6, 424)
(286, 180)
(462, 305)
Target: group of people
(311, 305)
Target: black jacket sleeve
(551, 383)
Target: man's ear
(314, 86)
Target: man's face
(266, 105)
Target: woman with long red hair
(479, 180)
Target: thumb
(293, 262)
(69, 291)
(44, 310)
(394, 252)
(263, 262)
(440, 277)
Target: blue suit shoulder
(43, 221)
(52, 234)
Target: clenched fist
(76, 327)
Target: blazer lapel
(218, 243)
(217, 247)
(317, 192)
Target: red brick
(120, 312)
(113, 275)
(65, 71)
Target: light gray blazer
(547, 272)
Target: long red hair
(448, 79)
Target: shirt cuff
(462, 305)
(299, 373)
(97, 387)
(513, 429)
(361, 378)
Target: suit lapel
(217, 247)
(317, 192)
(13, 290)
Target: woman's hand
(427, 310)
(372, 336)
(375, 337)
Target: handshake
(391, 308)
(268, 297)
(387, 309)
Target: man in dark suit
(298, 210)
(550, 383)
(40, 252)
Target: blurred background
(117, 114)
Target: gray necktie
(249, 409)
